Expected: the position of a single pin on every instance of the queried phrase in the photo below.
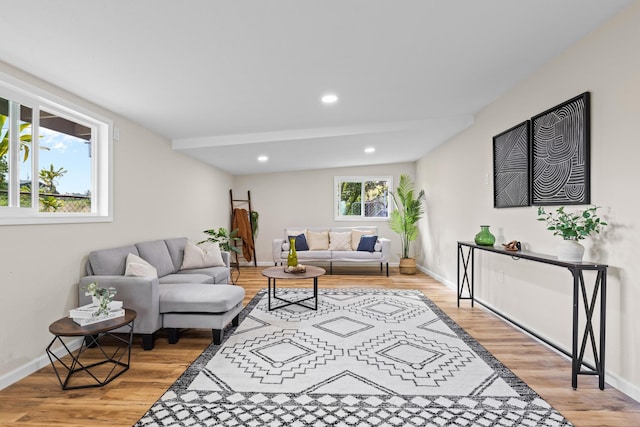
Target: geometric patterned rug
(366, 357)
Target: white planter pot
(570, 250)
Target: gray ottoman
(195, 305)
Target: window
(358, 198)
(54, 159)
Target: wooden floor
(39, 401)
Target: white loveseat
(334, 247)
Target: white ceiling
(227, 81)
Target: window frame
(38, 99)
(338, 180)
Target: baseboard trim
(437, 277)
(33, 366)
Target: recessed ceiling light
(369, 150)
(263, 158)
(330, 98)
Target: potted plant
(572, 226)
(101, 297)
(408, 211)
(223, 238)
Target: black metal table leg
(574, 333)
(458, 276)
(269, 295)
(603, 318)
(315, 292)
(578, 365)
(467, 278)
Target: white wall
(458, 180)
(306, 199)
(158, 193)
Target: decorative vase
(484, 237)
(292, 258)
(570, 250)
(408, 266)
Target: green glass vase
(484, 237)
(292, 258)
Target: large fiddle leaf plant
(408, 211)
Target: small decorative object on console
(572, 226)
(295, 269)
(484, 237)
(513, 245)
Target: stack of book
(86, 315)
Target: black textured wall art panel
(560, 154)
(511, 167)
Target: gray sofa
(176, 299)
(379, 254)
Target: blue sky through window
(67, 152)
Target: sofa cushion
(367, 243)
(198, 298)
(176, 250)
(294, 232)
(156, 253)
(301, 242)
(355, 256)
(318, 241)
(111, 262)
(355, 237)
(339, 241)
(219, 274)
(313, 255)
(196, 257)
(190, 277)
(136, 266)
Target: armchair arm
(276, 250)
(137, 293)
(386, 249)
(226, 257)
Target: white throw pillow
(137, 266)
(339, 241)
(318, 241)
(196, 257)
(355, 237)
(294, 233)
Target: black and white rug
(367, 357)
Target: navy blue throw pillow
(301, 242)
(367, 243)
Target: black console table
(578, 365)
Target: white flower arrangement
(102, 295)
